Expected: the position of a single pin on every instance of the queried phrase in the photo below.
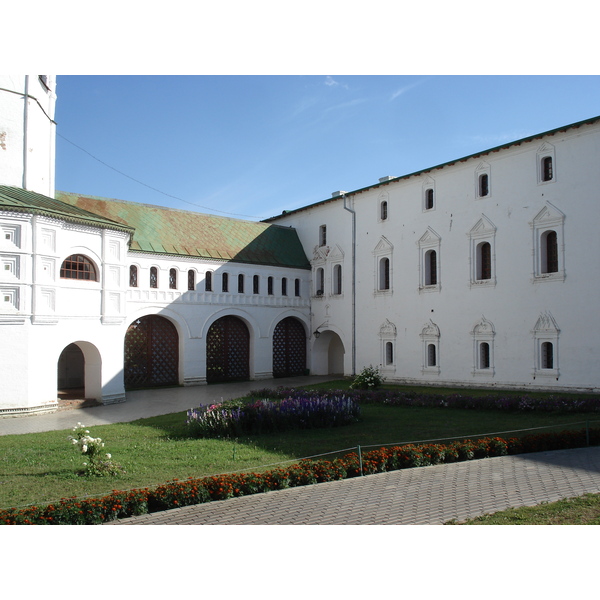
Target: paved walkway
(145, 403)
(422, 496)
(427, 495)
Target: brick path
(422, 496)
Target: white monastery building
(480, 272)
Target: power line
(153, 188)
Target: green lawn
(584, 510)
(41, 468)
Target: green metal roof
(19, 200)
(160, 230)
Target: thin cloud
(405, 89)
(330, 81)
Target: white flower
(108, 455)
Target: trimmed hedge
(175, 494)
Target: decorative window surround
(383, 266)
(547, 220)
(545, 331)
(387, 335)
(483, 231)
(483, 181)
(545, 151)
(384, 204)
(428, 281)
(428, 195)
(430, 336)
(483, 333)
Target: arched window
(225, 282)
(320, 281)
(383, 210)
(284, 286)
(389, 353)
(549, 252)
(431, 267)
(384, 274)
(270, 286)
(484, 355)
(337, 279)
(172, 279)
(484, 185)
(256, 284)
(431, 355)
(240, 283)
(547, 168)
(484, 261)
(208, 281)
(191, 280)
(133, 276)
(429, 199)
(547, 355)
(297, 288)
(153, 277)
(78, 266)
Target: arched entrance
(328, 354)
(71, 373)
(79, 372)
(289, 348)
(227, 350)
(151, 353)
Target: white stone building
(477, 272)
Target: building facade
(480, 272)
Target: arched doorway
(71, 373)
(227, 350)
(289, 348)
(151, 353)
(328, 354)
(79, 372)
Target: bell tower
(28, 132)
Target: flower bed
(174, 494)
(234, 418)
(412, 398)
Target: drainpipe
(25, 127)
(350, 210)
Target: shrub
(368, 379)
(99, 464)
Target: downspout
(25, 127)
(350, 210)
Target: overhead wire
(153, 188)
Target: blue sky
(253, 146)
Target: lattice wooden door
(289, 348)
(151, 353)
(227, 351)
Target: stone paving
(422, 496)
